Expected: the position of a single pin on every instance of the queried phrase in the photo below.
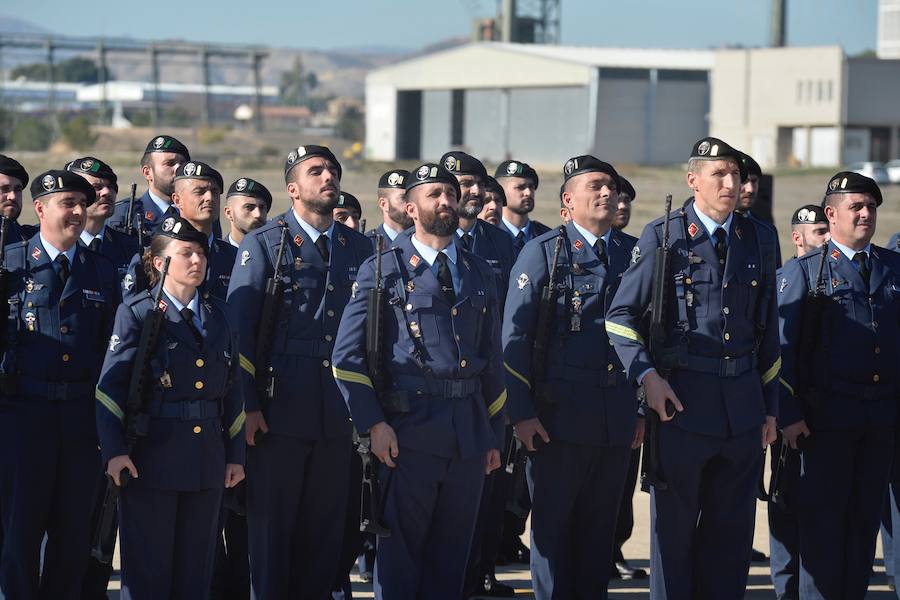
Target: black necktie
(467, 241)
(445, 278)
(322, 245)
(860, 259)
(520, 240)
(62, 262)
(721, 247)
(188, 316)
(95, 244)
(600, 249)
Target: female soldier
(195, 436)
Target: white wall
(381, 122)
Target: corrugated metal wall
(484, 133)
(435, 123)
(548, 125)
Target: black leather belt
(192, 410)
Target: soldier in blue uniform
(494, 201)
(894, 243)
(62, 300)
(437, 427)
(582, 425)
(719, 368)
(118, 247)
(392, 202)
(297, 484)
(480, 238)
(843, 422)
(809, 230)
(348, 211)
(746, 202)
(198, 188)
(627, 195)
(13, 179)
(247, 206)
(520, 182)
(194, 448)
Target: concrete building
(541, 103)
(809, 106)
(888, 28)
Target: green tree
(31, 133)
(351, 125)
(73, 70)
(77, 133)
(296, 84)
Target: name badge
(93, 296)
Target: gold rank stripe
(110, 404)
(247, 365)
(516, 374)
(625, 332)
(786, 385)
(772, 373)
(351, 377)
(236, 426)
(497, 404)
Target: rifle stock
(136, 424)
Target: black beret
(394, 179)
(54, 182)
(710, 148)
(166, 143)
(848, 182)
(625, 187)
(252, 188)
(750, 164)
(347, 200)
(809, 214)
(588, 164)
(517, 168)
(460, 163)
(93, 166)
(493, 186)
(301, 153)
(181, 229)
(199, 170)
(432, 173)
(12, 168)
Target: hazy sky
(415, 23)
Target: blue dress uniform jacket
(298, 481)
(494, 245)
(16, 232)
(445, 401)
(535, 230)
(721, 358)
(55, 338)
(118, 248)
(169, 514)
(220, 262)
(576, 481)
(894, 243)
(851, 411)
(148, 216)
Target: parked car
(893, 170)
(875, 170)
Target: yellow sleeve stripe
(110, 404)
(516, 374)
(247, 365)
(772, 373)
(497, 404)
(351, 377)
(786, 385)
(625, 332)
(236, 426)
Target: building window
(799, 92)
(457, 117)
(830, 90)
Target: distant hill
(16, 25)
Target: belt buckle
(456, 388)
(191, 410)
(728, 367)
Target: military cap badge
(87, 164)
(703, 148)
(450, 163)
(422, 173)
(395, 179)
(570, 166)
(49, 182)
(292, 157)
(169, 224)
(189, 169)
(301, 151)
(241, 185)
(511, 168)
(158, 142)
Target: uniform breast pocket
(841, 306)
(697, 291)
(421, 314)
(304, 289)
(471, 327)
(747, 300)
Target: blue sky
(416, 23)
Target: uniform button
(727, 336)
(65, 358)
(725, 310)
(688, 281)
(330, 287)
(610, 367)
(409, 307)
(724, 285)
(329, 312)
(877, 350)
(328, 337)
(64, 329)
(30, 304)
(198, 385)
(875, 378)
(197, 429)
(325, 363)
(454, 312)
(753, 283)
(463, 363)
(199, 362)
